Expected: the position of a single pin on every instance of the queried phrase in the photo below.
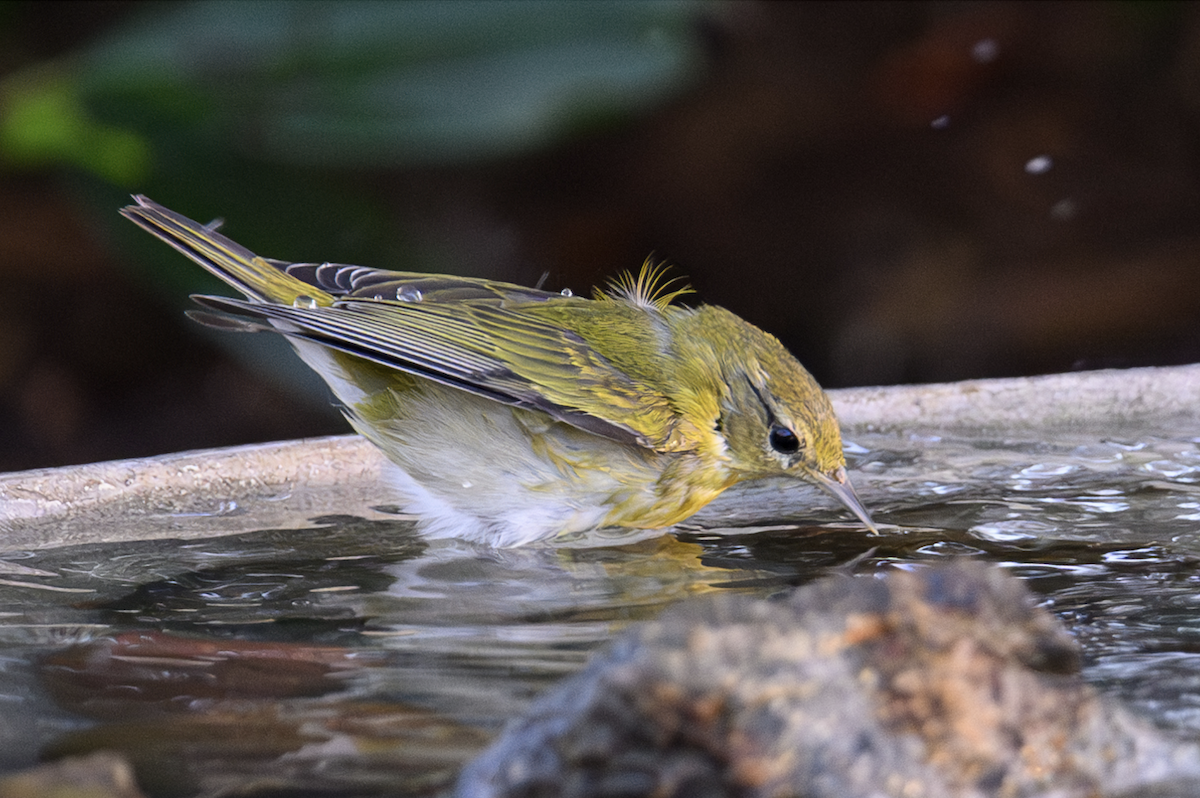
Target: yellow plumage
(515, 414)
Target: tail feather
(257, 278)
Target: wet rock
(191, 716)
(273, 750)
(100, 775)
(945, 681)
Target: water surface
(354, 658)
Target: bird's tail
(259, 279)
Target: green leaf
(392, 84)
(43, 122)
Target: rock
(100, 775)
(944, 681)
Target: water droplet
(1128, 446)
(404, 294)
(567, 292)
(1091, 504)
(466, 484)
(1064, 210)
(1043, 470)
(949, 548)
(305, 302)
(985, 51)
(1189, 516)
(1094, 453)
(1167, 468)
(941, 123)
(1012, 531)
(1039, 165)
(1148, 554)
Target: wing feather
(597, 365)
(501, 353)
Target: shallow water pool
(354, 658)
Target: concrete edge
(209, 492)
(1113, 398)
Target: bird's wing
(271, 280)
(362, 282)
(508, 343)
(497, 350)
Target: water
(356, 657)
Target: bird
(517, 415)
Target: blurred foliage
(271, 112)
(45, 124)
(350, 84)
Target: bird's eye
(784, 441)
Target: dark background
(861, 180)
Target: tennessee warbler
(515, 414)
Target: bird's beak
(837, 484)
